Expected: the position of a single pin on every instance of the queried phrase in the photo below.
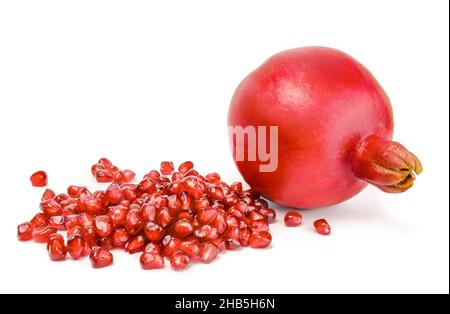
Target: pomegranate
(39, 178)
(328, 125)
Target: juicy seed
(322, 226)
(292, 219)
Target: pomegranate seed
(100, 257)
(25, 231)
(39, 178)
(220, 243)
(260, 240)
(185, 167)
(48, 195)
(269, 213)
(128, 175)
(179, 260)
(133, 222)
(40, 220)
(58, 222)
(213, 178)
(207, 215)
(154, 232)
(259, 225)
(167, 168)
(85, 220)
(170, 244)
(51, 208)
(56, 248)
(151, 261)
(105, 244)
(176, 187)
(136, 244)
(236, 187)
(292, 218)
(322, 227)
(190, 246)
(146, 186)
(103, 176)
(244, 236)
(114, 194)
(74, 190)
(154, 174)
(90, 236)
(120, 237)
(71, 221)
(41, 234)
(118, 215)
(208, 252)
(75, 230)
(76, 246)
(176, 176)
(148, 212)
(103, 225)
(164, 218)
(182, 229)
(117, 177)
(152, 248)
(105, 162)
(96, 168)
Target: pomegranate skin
(324, 103)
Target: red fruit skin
(324, 103)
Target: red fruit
(114, 194)
(260, 240)
(146, 186)
(42, 234)
(269, 213)
(85, 220)
(164, 218)
(103, 225)
(120, 237)
(135, 244)
(167, 168)
(170, 245)
(208, 252)
(185, 167)
(152, 248)
(39, 178)
(236, 187)
(134, 222)
(292, 218)
(90, 236)
(334, 129)
(76, 246)
(182, 228)
(48, 195)
(128, 175)
(103, 176)
(100, 257)
(213, 178)
(190, 246)
(58, 222)
(118, 215)
(96, 168)
(207, 216)
(105, 162)
(244, 236)
(51, 208)
(179, 260)
(75, 230)
(39, 220)
(151, 261)
(105, 243)
(322, 227)
(71, 221)
(148, 212)
(56, 248)
(154, 232)
(25, 231)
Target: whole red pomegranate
(311, 127)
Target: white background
(142, 82)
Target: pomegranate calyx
(386, 164)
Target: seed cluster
(179, 216)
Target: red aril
(58, 222)
(120, 237)
(135, 244)
(167, 168)
(25, 231)
(103, 225)
(48, 195)
(322, 227)
(182, 228)
(185, 167)
(328, 125)
(100, 257)
(208, 252)
(56, 248)
(151, 261)
(51, 208)
(153, 232)
(134, 222)
(41, 234)
(292, 218)
(39, 220)
(152, 248)
(128, 175)
(260, 240)
(39, 178)
(190, 246)
(76, 246)
(114, 194)
(179, 260)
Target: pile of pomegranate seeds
(39, 178)
(179, 215)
